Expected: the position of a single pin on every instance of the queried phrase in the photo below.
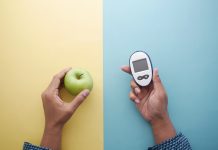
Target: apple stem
(80, 76)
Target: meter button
(146, 76)
(143, 77)
(140, 77)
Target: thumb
(126, 69)
(79, 99)
(156, 80)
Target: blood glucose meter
(141, 68)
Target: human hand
(151, 101)
(57, 112)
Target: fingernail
(86, 93)
(137, 100)
(156, 69)
(137, 90)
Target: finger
(156, 80)
(133, 97)
(135, 87)
(55, 83)
(79, 99)
(145, 97)
(126, 69)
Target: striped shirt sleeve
(28, 146)
(179, 142)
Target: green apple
(77, 80)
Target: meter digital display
(140, 65)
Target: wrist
(53, 129)
(52, 137)
(160, 120)
(162, 128)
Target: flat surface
(181, 38)
(37, 40)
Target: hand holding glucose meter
(141, 68)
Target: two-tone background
(38, 38)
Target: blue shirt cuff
(179, 142)
(28, 146)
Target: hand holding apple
(57, 112)
(77, 80)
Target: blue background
(181, 38)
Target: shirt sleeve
(28, 146)
(179, 142)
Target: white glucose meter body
(141, 68)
